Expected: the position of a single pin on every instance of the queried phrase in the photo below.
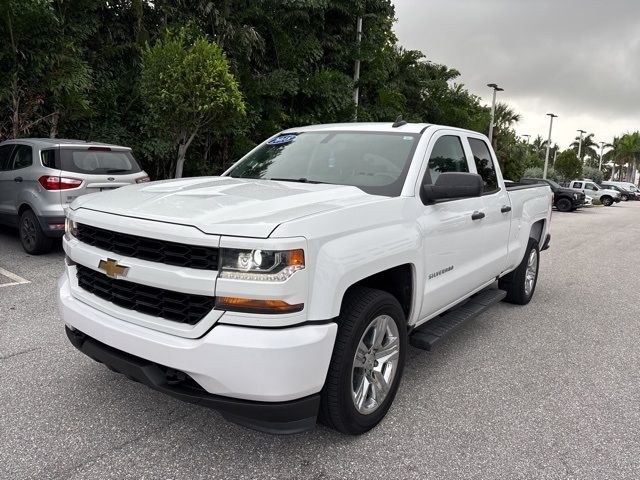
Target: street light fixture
(528, 137)
(582, 132)
(496, 88)
(546, 158)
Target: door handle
(505, 208)
(477, 215)
(17, 179)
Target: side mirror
(453, 185)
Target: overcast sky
(579, 59)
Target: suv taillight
(59, 183)
(142, 179)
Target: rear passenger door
(6, 178)
(451, 240)
(21, 159)
(496, 207)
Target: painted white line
(17, 280)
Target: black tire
(514, 282)
(563, 204)
(33, 239)
(360, 307)
(606, 201)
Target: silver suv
(39, 177)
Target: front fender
(343, 261)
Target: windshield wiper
(298, 180)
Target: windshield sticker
(282, 139)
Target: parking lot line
(17, 280)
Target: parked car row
(580, 193)
(40, 177)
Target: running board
(428, 335)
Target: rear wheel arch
(536, 231)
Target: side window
(48, 158)
(22, 157)
(447, 156)
(484, 165)
(5, 156)
(590, 186)
(577, 184)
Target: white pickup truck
(290, 287)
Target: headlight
(260, 265)
(70, 227)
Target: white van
(626, 185)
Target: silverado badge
(111, 267)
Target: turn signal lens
(246, 305)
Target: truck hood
(224, 205)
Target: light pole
(546, 158)
(528, 137)
(580, 143)
(496, 88)
(602, 144)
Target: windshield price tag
(282, 139)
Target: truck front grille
(175, 306)
(151, 249)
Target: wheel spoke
(389, 351)
(380, 386)
(360, 358)
(379, 331)
(362, 392)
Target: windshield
(553, 184)
(98, 160)
(376, 162)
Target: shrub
(536, 172)
(593, 173)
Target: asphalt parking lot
(549, 391)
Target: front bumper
(231, 364)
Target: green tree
(567, 165)
(187, 89)
(592, 173)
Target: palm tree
(539, 147)
(589, 147)
(626, 151)
(505, 116)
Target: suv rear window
(97, 161)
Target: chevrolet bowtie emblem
(112, 269)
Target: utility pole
(546, 158)
(356, 68)
(496, 88)
(580, 143)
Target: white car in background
(592, 189)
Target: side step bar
(428, 335)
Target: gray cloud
(579, 59)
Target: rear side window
(97, 161)
(577, 184)
(48, 158)
(5, 156)
(447, 156)
(484, 164)
(22, 157)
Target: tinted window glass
(577, 184)
(48, 158)
(22, 157)
(590, 186)
(447, 156)
(375, 162)
(5, 156)
(97, 161)
(484, 164)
